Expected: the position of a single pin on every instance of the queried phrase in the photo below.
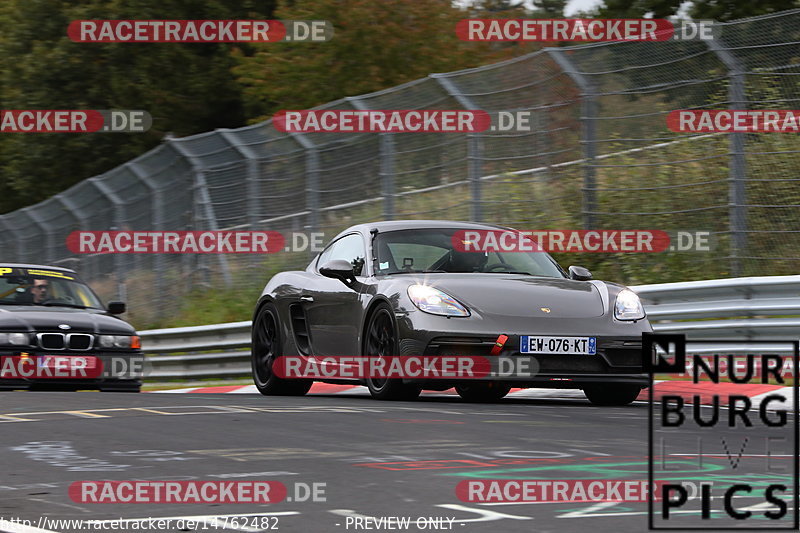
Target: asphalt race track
(376, 459)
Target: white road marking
(85, 414)
(786, 393)
(248, 389)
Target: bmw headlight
(106, 341)
(118, 341)
(435, 302)
(14, 339)
(628, 306)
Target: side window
(349, 248)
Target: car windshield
(433, 250)
(23, 286)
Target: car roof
(39, 267)
(397, 225)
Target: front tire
(612, 394)
(380, 340)
(483, 392)
(265, 349)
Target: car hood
(23, 318)
(522, 296)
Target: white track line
(247, 389)
(786, 393)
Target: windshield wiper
(509, 272)
(57, 304)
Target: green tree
(187, 88)
(720, 10)
(376, 45)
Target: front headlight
(15, 339)
(628, 306)
(435, 302)
(118, 341)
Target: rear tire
(266, 347)
(612, 394)
(483, 392)
(380, 339)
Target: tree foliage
(191, 88)
(187, 88)
(376, 45)
(719, 10)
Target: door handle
(308, 299)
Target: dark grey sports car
(403, 288)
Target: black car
(403, 288)
(55, 333)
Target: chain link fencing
(598, 156)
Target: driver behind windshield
(40, 290)
(467, 261)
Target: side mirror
(579, 273)
(116, 308)
(338, 269)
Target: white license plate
(555, 345)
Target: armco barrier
(751, 309)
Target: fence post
(157, 223)
(251, 181)
(312, 183)
(119, 221)
(73, 209)
(386, 172)
(9, 232)
(588, 135)
(387, 175)
(737, 172)
(203, 201)
(474, 149)
(48, 244)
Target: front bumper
(117, 371)
(619, 357)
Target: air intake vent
(300, 329)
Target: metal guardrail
(753, 309)
(746, 309)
